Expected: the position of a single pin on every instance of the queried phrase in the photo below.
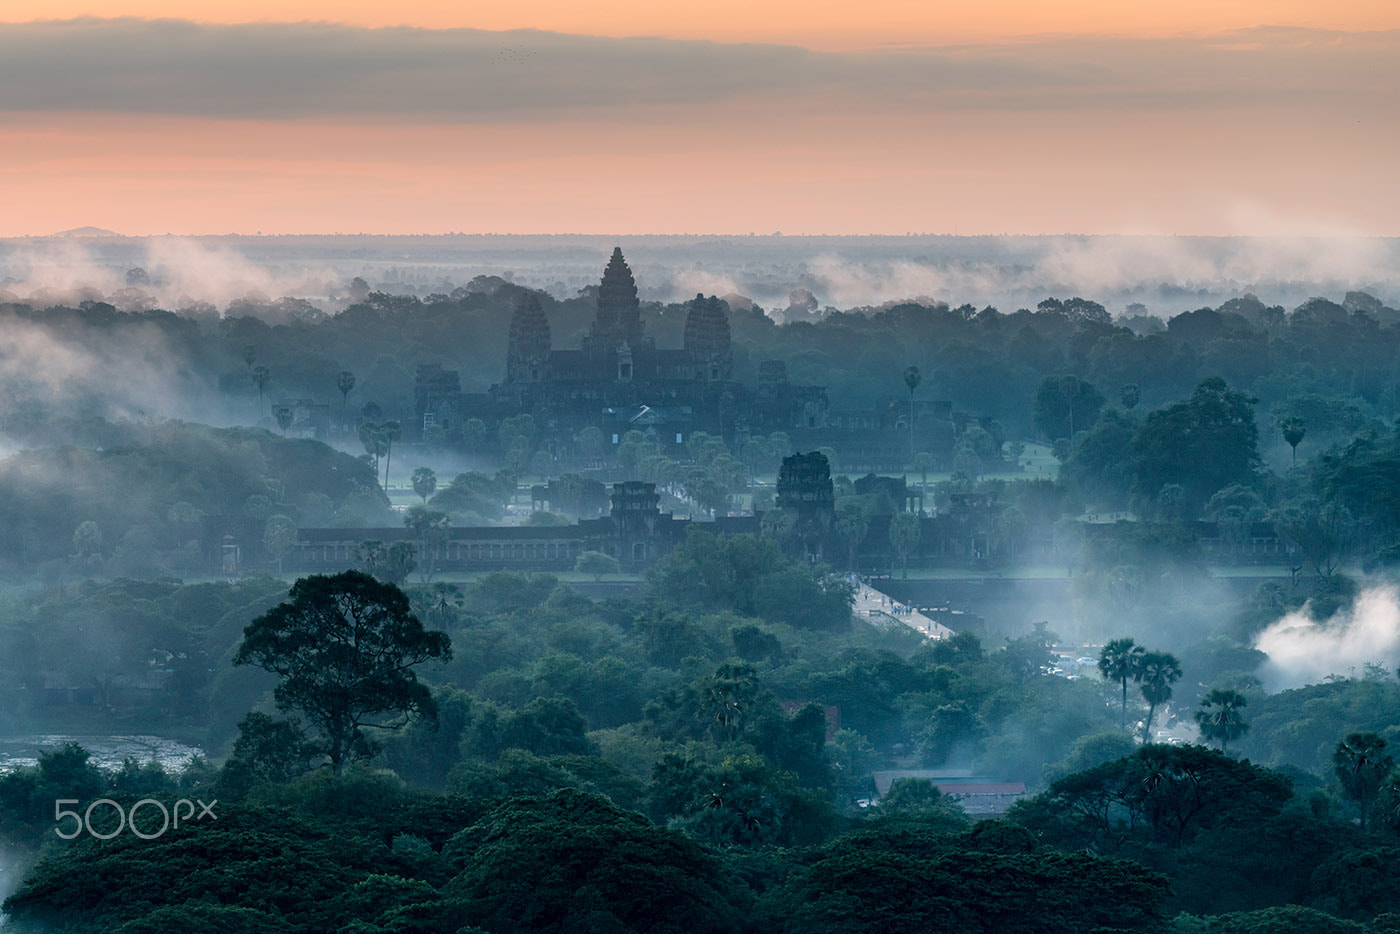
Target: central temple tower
(619, 311)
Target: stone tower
(806, 495)
(619, 311)
(527, 353)
(707, 338)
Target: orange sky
(1080, 134)
(814, 23)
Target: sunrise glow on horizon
(1190, 118)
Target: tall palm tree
(1220, 718)
(1293, 432)
(1119, 661)
(260, 376)
(1159, 671)
(284, 418)
(1362, 764)
(911, 379)
(344, 381)
(923, 463)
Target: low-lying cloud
(1302, 651)
(325, 71)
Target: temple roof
(707, 327)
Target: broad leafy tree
(904, 537)
(1203, 444)
(345, 647)
(424, 482)
(1065, 405)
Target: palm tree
(260, 377)
(1361, 764)
(284, 418)
(1293, 432)
(1159, 671)
(392, 431)
(1219, 717)
(923, 462)
(1120, 661)
(344, 381)
(376, 444)
(852, 525)
(424, 482)
(911, 379)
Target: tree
(923, 463)
(904, 536)
(261, 375)
(1120, 660)
(597, 564)
(389, 563)
(279, 535)
(283, 414)
(432, 527)
(1322, 530)
(1130, 395)
(1293, 432)
(1065, 405)
(424, 482)
(87, 542)
(852, 525)
(392, 431)
(590, 443)
(1361, 765)
(912, 379)
(1160, 670)
(344, 381)
(1220, 718)
(576, 861)
(345, 647)
(1204, 444)
(376, 442)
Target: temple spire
(619, 311)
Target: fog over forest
(697, 583)
(1167, 275)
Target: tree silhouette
(260, 377)
(904, 536)
(345, 647)
(1362, 764)
(279, 535)
(392, 432)
(1159, 671)
(852, 525)
(1293, 432)
(344, 381)
(1130, 395)
(376, 443)
(923, 463)
(283, 414)
(1220, 718)
(424, 482)
(1120, 661)
(911, 379)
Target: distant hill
(87, 232)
